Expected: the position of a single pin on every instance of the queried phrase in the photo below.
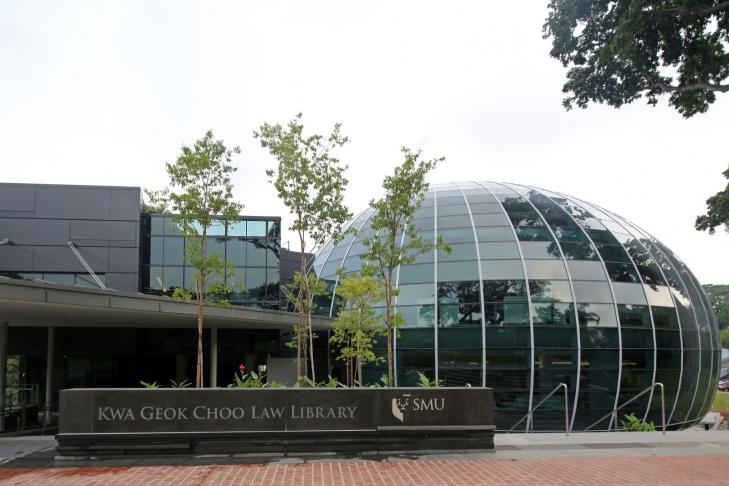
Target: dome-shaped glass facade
(540, 289)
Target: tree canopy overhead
(618, 51)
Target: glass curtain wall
(540, 289)
(250, 245)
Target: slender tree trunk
(199, 367)
(390, 325)
(310, 330)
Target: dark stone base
(341, 441)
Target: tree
(311, 183)
(724, 337)
(618, 51)
(393, 216)
(719, 299)
(201, 194)
(357, 325)
(717, 211)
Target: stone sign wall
(89, 416)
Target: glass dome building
(539, 289)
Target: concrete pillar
(49, 374)
(213, 357)
(3, 370)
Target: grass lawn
(721, 402)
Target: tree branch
(722, 88)
(695, 10)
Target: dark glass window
(573, 234)
(597, 315)
(603, 237)
(504, 290)
(622, 272)
(579, 251)
(417, 315)
(416, 338)
(534, 233)
(274, 229)
(502, 337)
(255, 282)
(634, 315)
(550, 291)
(235, 252)
(507, 314)
(651, 274)
(629, 293)
(526, 218)
(613, 253)
(458, 292)
(459, 315)
(553, 314)
(665, 317)
(517, 358)
(256, 253)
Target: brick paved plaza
(691, 457)
(664, 470)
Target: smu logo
(406, 404)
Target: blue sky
(106, 92)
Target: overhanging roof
(26, 303)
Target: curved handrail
(530, 424)
(614, 411)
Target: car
(723, 385)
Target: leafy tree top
(202, 176)
(308, 179)
(717, 211)
(618, 51)
(404, 194)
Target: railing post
(566, 412)
(663, 406)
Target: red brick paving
(663, 470)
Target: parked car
(723, 385)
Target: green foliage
(393, 217)
(620, 51)
(634, 424)
(330, 382)
(717, 211)
(724, 337)
(719, 298)
(180, 384)
(180, 293)
(357, 325)
(249, 379)
(150, 386)
(425, 382)
(311, 183)
(201, 193)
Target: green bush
(634, 424)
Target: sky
(107, 92)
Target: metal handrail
(530, 423)
(614, 411)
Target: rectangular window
(504, 290)
(256, 228)
(550, 291)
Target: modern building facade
(540, 289)
(85, 279)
